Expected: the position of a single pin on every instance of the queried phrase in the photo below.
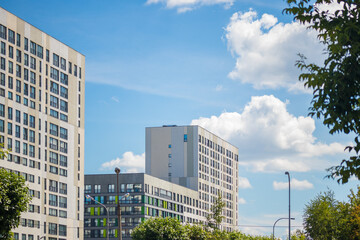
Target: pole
(287, 173)
(275, 224)
(117, 171)
(107, 213)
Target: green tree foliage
(215, 217)
(327, 218)
(169, 228)
(160, 229)
(14, 199)
(335, 84)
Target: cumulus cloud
(129, 162)
(270, 139)
(295, 184)
(266, 50)
(244, 183)
(242, 201)
(188, 5)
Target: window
(32, 121)
(11, 68)
(18, 86)
(10, 113)
(62, 230)
(54, 129)
(3, 48)
(64, 78)
(39, 51)
(111, 188)
(63, 64)
(54, 101)
(53, 157)
(185, 138)
(11, 52)
(63, 160)
(63, 133)
(53, 228)
(18, 55)
(2, 65)
(63, 147)
(53, 170)
(10, 82)
(25, 119)
(97, 188)
(31, 151)
(2, 31)
(63, 92)
(32, 77)
(54, 87)
(87, 188)
(26, 59)
(62, 202)
(18, 41)
(32, 47)
(53, 185)
(11, 36)
(33, 63)
(54, 113)
(10, 128)
(54, 74)
(55, 60)
(2, 110)
(63, 188)
(26, 44)
(75, 70)
(52, 212)
(63, 106)
(53, 143)
(18, 116)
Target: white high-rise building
(195, 158)
(42, 85)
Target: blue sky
(227, 65)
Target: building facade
(149, 197)
(42, 84)
(195, 158)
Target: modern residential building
(149, 197)
(195, 158)
(42, 84)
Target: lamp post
(107, 213)
(117, 171)
(287, 173)
(275, 224)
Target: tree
(327, 218)
(14, 199)
(215, 218)
(160, 229)
(335, 84)
(197, 232)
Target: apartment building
(42, 83)
(195, 158)
(149, 197)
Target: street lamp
(117, 171)
(275, 224)
(287, 173)
(107, 213)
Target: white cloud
(115, 99)
(244, 183)
(266, 50)
(242, 201)
(270, 139)
(188, 5)
(218, 88)
(295, 184)
(129, 162)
